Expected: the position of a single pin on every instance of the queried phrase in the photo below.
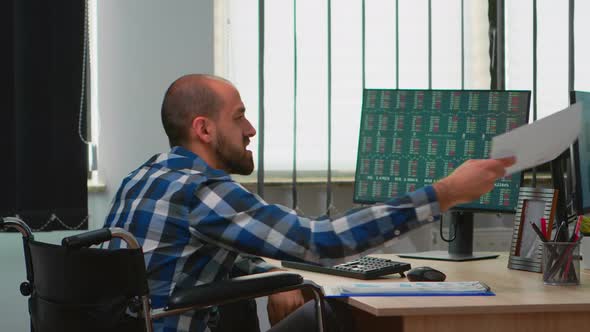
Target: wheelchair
(72, 287)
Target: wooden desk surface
(516, 291)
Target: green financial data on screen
(412, 138)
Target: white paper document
(540, 141)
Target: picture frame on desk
(533, 205)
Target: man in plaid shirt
(196, 225)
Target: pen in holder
(561, 263)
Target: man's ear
(203, 129)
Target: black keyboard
(362, 268)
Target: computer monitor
(581, 157)
(411, 138)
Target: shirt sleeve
(247, 264)
(232, 217)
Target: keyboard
(363, 268)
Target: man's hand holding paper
(540, 141)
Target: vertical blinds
(315, 58)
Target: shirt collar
(198, 163)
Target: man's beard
(236, 160)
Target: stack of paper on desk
(456, 288)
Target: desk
(522, 303)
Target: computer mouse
(425, 273)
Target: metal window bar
(363, 38)
(497, 45)
(329, 176)
(260, 175)
(534, 179)
(397, 44)
(429, 44)
(462, 44)
(294, 175)
(571, 47)
(500, 48)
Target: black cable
(85, 140)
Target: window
(552, 51)
(306, 21)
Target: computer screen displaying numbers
(412, 138)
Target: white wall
(143, 45)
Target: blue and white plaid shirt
(195, 224)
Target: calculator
(366, 267)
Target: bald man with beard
(196, 225)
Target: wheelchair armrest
(219, 292)
(87, 239)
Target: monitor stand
(461, 248)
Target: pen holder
(561, 263)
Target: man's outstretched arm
(232, 217)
